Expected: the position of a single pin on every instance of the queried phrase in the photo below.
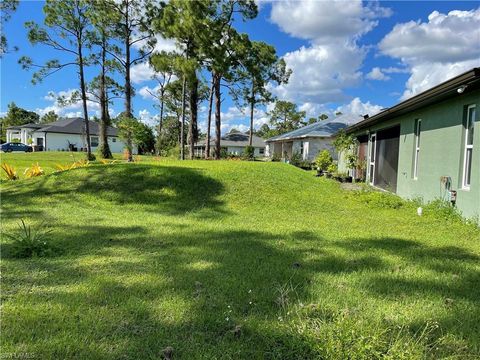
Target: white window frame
(418, 129)
(468, 148)
(371, 162)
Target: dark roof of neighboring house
(445, 90)
(68, 126)
(235, 138)
(323, 128)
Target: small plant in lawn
(249, 153)
(28, 242)
(10, 171)
(34, 171)
(379, 199)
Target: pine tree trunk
(209, 119)
(182, 128)
(128, 86)
(162, 95)
(218, 120)
(104, 148)
(192, 129)
(252, 108)
(84, 100)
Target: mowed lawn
(233, 260)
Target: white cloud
(326, 21)
(71, 110)
(445, 46)
(321, 72)
(146, 92)
(162, 44)
(357, 107)
(332, 61)
(146, 117)
(141, 72)
(377, 74)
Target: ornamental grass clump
(34, 171)
(10, 171)
(30, 242)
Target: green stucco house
(427, 146)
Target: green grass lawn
(232, 260)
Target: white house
(233, 143)
(309, 140)
(65, 134)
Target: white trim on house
(468, 151)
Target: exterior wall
(56, 141)
(311, 147)
(315, 145)
(442, 147)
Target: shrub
(33, 171)
(332, 168)
(324, 160)
(223, 153)
(276, 157)
(15, 140)
(249, 153)
(443, 210)
(10, 171)
(29, 242)
(296, 158)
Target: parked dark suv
(9, 147)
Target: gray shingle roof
(325, 128)
(235, 138)
(69, 126)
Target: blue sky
(351, 56)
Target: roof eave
(423, 99)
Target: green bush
(276, 157)
(296, 159)
(443, 210)
(173, 152)
(30, 242)
(332, 168)
(324, 160)
(249, 153)
(223, 153)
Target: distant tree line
(212, 58)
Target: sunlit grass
(232, 260)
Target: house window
(301, 147)
(469, 126)
(93, 141)
(418, 124)
(261, 151)
(114, 139)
